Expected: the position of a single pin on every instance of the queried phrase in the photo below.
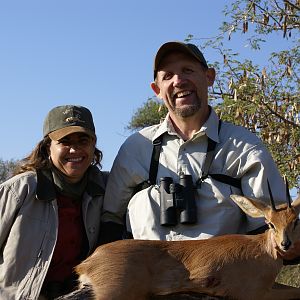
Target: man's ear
(210, 75)
(156, 89)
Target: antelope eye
(271, 226)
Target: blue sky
(94, 53)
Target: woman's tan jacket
(28, 229)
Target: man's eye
(188, 71)
(167, 76)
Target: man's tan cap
(187, 48)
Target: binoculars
(177, 200)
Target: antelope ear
(253, 208)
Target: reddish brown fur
(221, 266)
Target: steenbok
(235, 266)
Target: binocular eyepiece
(177, 199)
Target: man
(207, 158)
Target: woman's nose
(74, 147)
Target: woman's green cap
(66, 119)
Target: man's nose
(178, 79)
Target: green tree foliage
(264, 98)
(7, 168)
(152, 112)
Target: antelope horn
(271, 197)
(288, 196)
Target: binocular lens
(177, 199)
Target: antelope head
(282, 220)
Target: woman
(50, 210)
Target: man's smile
(183, 94)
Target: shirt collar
(210, 127)
(165, 126)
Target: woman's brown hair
(39, 158)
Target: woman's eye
(64, 142)
(84, 142)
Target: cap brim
(167, 47)
(170, 47)
(61, 133)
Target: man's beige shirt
(239, 154)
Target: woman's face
(72, 155)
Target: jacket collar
(93, 187)
(45, 190)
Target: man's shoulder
(237, 132)
(142, 137)
(149, 131)
(137, 148)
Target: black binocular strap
(155, 159)
(236, 182)
(153, 166)
(211, 145)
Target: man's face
(182, 82)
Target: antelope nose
(286, 244)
